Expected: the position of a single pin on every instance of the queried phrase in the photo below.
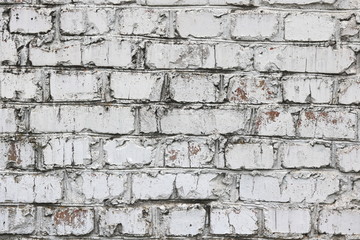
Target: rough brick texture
(179, 119)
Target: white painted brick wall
(168, 119)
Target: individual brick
(66, 152)
(75, 86)
(130, 221)
(30, 20)
(152, 186)
(348, 157)
(65, 53)
(303, 59)
(8, 51)
(124, 153)
(89, 187)
(16, 153)
(275, 121)
(307, 89)
(21, 85)
(304, 155)
(190, 23)
(339, 221)
(253, 89)
(186, 87)
(17, 220)
(63, 221)
(254, 25)
(29, 188)
(87, 21)
(7, 120)
(204, 121)
(173, 2)
(108, 53)
(239, 220)
(101, 2)
(348, 90)
(179, 56)
(184, 220)
(70, 118)
(233, 56)
(246, 155)
(142, 21)
(310, 27)
(300, 2)
(287, 220)
(206, 186)
(293, 188)
(328, 123)
(136, 86)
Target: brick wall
(179, 119)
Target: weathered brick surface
(179, 119)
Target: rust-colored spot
(261, 84)
(272, 48)
(272, 115)
(69, 217)
(240, 94)
(334, 121)
(324, 114)
(173, 155)
(310, 115)
(12, 155)
(194, 150)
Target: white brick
(30, 20)
(8, 51)
(100, 2)
(297, 187)
(310, 59)
(22, 85)
(78, 118)
(75, 86)
(177, 155)
(148, 22)
(133, 221)
(124, 154)
(304, 155)
(305, 89)
(348, 90)
(275, 122)
(175, 2)
(136, 86)
(309, 27)
(201, 153)
(250, 156)
(86, 21)
(67, 221)
(65, 53)
(7, 120)
(115, 52)
(48, 188)
(159, 55)
(203, 121)
(185, 220)
(194, 87)
(17, 154)
(299, 2)
(287, 220)
(17, 220)
(155, 186)
(254, 25)
(191, 23)
(89, 187)
(330, 123)
(205, 186)
(348, 158)
(61, 152)
(233, 56)
(339, 221)
(233, 220)
(253, 89)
